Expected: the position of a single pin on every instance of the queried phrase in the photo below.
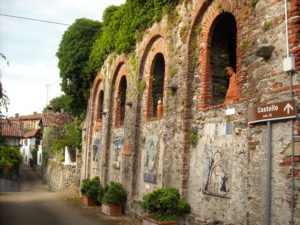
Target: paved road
(34, 205)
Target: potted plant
(114, 197)
(91, 190)
(163, 206)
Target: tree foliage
(4, 101)
(9, 157)
(60, 103)
(73, 53)
(124, 25)
(56, 138)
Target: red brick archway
(120, 71)
(156, 46)
(210, 14)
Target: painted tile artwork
(215, 171)
(216, 164)
(150, 158)
(117, 145)
(96, 149)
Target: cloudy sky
(30, 47)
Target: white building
(30, 141)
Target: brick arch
(95, 97)
(206, 14)
(156, 45)
(120, 70)
(147, 48)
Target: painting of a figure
(117, 145)
(151, 152)
(96, 149)
(216, 171)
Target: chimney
(17, 115)
(34, 113)
(49, 108)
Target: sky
(30, 48)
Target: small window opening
(158, 72)
(101, 105)
(223, 54)
(122, 99)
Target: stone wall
(60, 177)
(213, 156)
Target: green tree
(60, 103)
(9, 157)
(34, 155)
(73, 53)
(56, 138)
(4, 101)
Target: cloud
(31, 47)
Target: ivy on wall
(122, 27)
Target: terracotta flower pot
(150, 221)
(111, 210)
(88, 201)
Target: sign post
(268, 113)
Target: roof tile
(31, 133)
(56, 119)
(11, 128)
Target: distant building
(31, 140)
(30, 122)
(11, 131)
(51, 119)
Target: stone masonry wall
(60, 177)
(208, 151)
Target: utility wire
(43, 21)
(32, 19)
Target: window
(101, 105)
(157, 76)
(223, 54)
(121, 101)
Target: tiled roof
(31, 133)
(31, 117)
(11, 128)
(56, 119)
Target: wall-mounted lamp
(129, 104)
(265, 51)
(173, 88)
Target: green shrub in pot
(92, 188)
(165, 204)
(114, 193)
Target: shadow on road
(33, 204)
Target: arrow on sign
(288, 107)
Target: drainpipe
(292, 124)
